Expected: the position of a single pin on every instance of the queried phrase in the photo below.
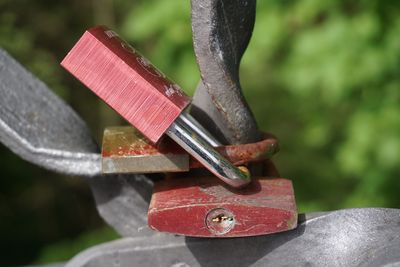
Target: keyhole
(220, 221)
(222, 218)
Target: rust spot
(243, 153)
(244, 170)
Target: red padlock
(204, 207)
(200, 206)
(141, 94)
(195, 206)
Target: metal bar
(206, 155)
(41, 128)
(353, 237)
(199, 129)
(221, 33)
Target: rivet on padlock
(141, 94)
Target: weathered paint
(183, 206)
(126, 150)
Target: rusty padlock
(126, 150)
(203, 206)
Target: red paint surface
(126, 81)
(180, 206)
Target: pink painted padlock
(148, 100)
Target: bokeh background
(321, 75)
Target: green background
(321, 75)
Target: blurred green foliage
(321, 75)
(63, 250)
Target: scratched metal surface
(195, 207)
(354, 237)
(125, 150)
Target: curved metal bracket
(41, 128)
(221, 33)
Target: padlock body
(126, 81)
(125, 150)
(205, 207)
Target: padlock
(205, 207)
(191, 205)
(200, 206)
(126, 150)
(148, 100)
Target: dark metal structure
(221, 33)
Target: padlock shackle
(206, 154)
(199, 129)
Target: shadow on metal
(123, 201)
(353, 237)
(41, 128)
